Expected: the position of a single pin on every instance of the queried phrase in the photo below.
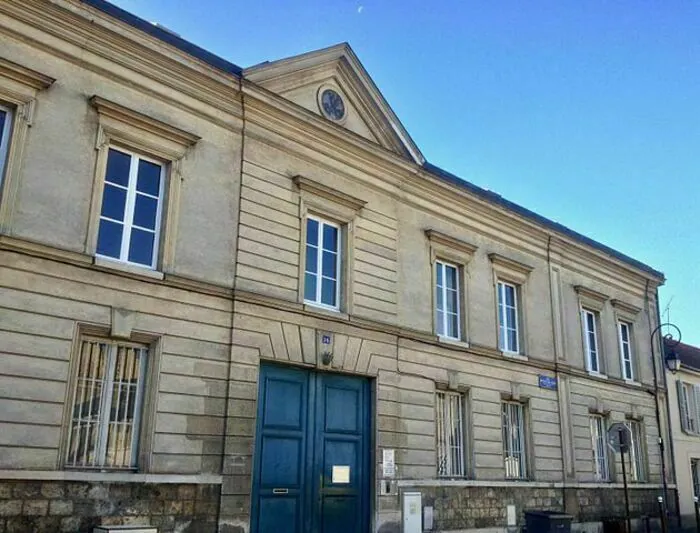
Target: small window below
(636, 451)
(601, 467)
(130, 216)
(508, 321)
(514, 440)
(447, 304)
(5, 126)
(323, 261)
(450, 433)
(695, 473)
(107, 405)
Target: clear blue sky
(585, 112)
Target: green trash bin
(548, 522)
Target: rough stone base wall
(458, 508)
(77, 507)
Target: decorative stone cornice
(318, 189)
(113, 110)
(24, 75)
(625, 307)
(590, 294)
(510, 268)
(436, 237)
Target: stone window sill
(453, 342)
(130, 269)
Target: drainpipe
(556, 372)
(668, 413)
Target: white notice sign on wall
(388, 464)
(341, 474)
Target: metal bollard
(662, 514)
(697, 514)
(647, 524)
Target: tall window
(5, 123)
(600, 448)
(689, 406)
(636, 450)
(624, 331)
(131, 209)
(447, 300)
(107, 405)
(695, 473)
(450, 433)
(514, 451)
(508, 330)
(322, 275)
(590, 333)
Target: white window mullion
(319, 261)
(129, 207)
(106, 404)
(159, 214)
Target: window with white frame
(5, 126)
(695, 473)
(600, 448)
(322, 273)
(450, 414)
(508, 321)
(624, 331)
(107, 405)
(514, 447)
(447, 312)
(689, 406)
(636, 450)
(590, 333)
(130, 217)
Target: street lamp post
(673, 363)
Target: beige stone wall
(686, 446)
(43, 305)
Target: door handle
(280, 491)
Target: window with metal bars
(600, 448)
(695, 473)
(107, 405)
(636, 451)
(450, 434)
(514, 450)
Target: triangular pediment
(304, 78)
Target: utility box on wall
(412, 513)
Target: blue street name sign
(547, 382)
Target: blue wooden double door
(312, 453)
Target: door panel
(280, 462)
(312, 455)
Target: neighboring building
(684, 405)
(231, 297)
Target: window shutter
(696, 407)
(682, 406)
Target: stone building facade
(230, 297)
(684, 410)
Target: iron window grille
(107, 405)
(450, 434)
(600, 448)
(514, 450)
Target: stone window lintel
(449, 248)
(509, 269)
(327, 201)
(591, 299)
